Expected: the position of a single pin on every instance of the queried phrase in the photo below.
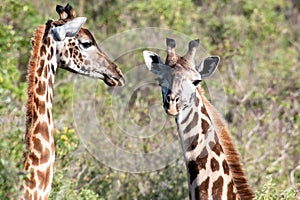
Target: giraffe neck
(40, 155)
(209, 176)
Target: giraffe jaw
(108, 80)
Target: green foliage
(67, 142)
(12, 96)
(258, 42)
(11, 154)
(168, 14)
(269, 191)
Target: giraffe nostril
(168, 98)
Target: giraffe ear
(69, 29)
(154, 63)
(208, 66)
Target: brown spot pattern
(197, 101)
(71, 52)
(217, 188)
(47, 178)
(51, 99)
(48, 115)
(42, 128)
(192, 142)
(204, 126)
(195, 166)
(192, 124)
(230, 193)
(34, 115)
(46, 71)
(66, 54)
(41, 177)
(42, 50)
(39, 71)
(187, 117)
(50, 84)
(217, 148)
(204, 111)
(193, 170)
(211, 144)
(36, 101)
(52, 69)
(225, 167)
(51, 50)
(80, 58)
(47, 41)
(34, 159)
(41, 89)
(214, 165)
(26, 166)
(49, 56)
(201, 191)
(37, 144)
(32, 181)
(45, 156)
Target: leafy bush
(258, 42)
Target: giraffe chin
(172, 113)
(113, 81)
(172, 110)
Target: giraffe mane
(231, 154)
(36, 44)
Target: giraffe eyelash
(86, 44)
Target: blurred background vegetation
(259, 45)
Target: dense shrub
(258, 42)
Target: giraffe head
(77, 50)
(179, 76)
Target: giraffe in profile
(213, 165)
(62, 43)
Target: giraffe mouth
(172, 113)
(112, 81)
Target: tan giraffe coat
(214, 167)
(64, 44)
(232, 157)
(39, 135)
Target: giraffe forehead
(180, 75)
(85, 34)
(183, 68)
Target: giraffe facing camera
(213, 165)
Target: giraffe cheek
(87, 62)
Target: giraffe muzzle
(171, 104)
(112, 81)
(172, 109)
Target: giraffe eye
(86, 44)
(196, 82)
